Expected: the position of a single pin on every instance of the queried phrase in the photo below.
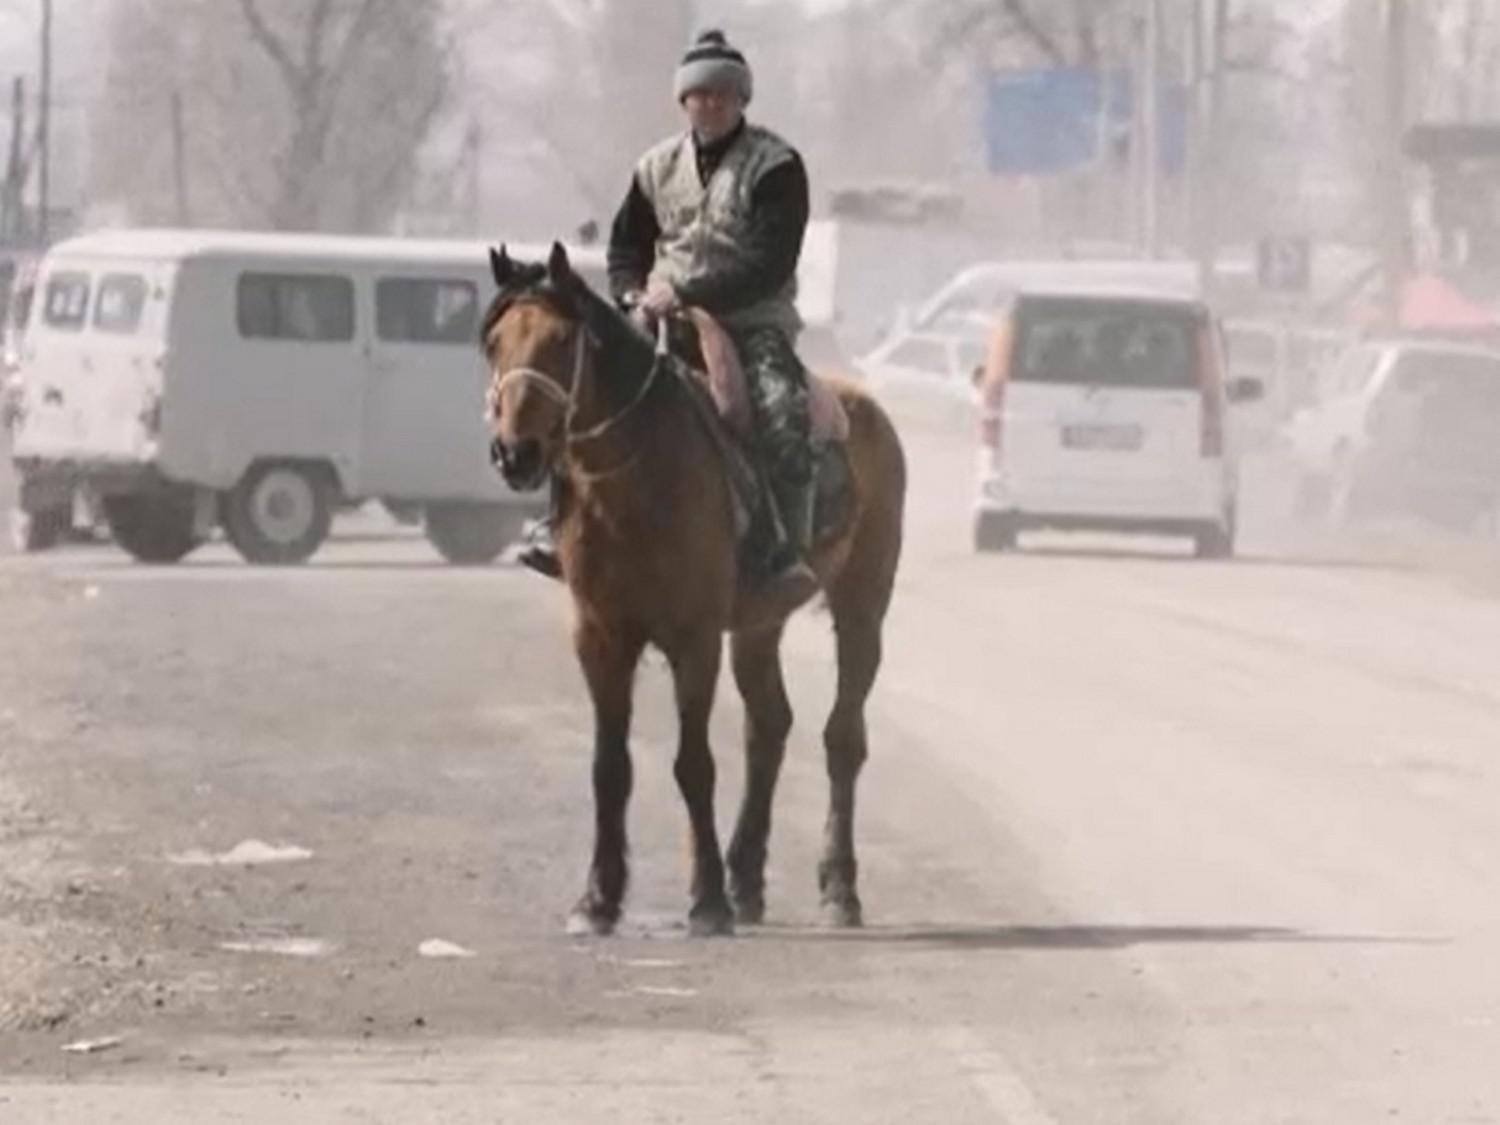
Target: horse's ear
(501, 266)
(559, 269)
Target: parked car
(261, 381)
(1287, 358)
(1403, 426)
(1106, 409)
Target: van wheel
(40, 530)
(154, 527)
(1215, 541)
(279, 515)
(995, 532)
(472, 534)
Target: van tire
(152, 527)
(39, 530)
(994, 531)
(472, 534)
(279, 514)
(1214, 541)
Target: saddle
(724, 376)
(723, 397)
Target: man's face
(713, 113)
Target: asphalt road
(1143, 839)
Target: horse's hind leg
(695, 670)
(609, 661)
(768, 720)
(858, 637)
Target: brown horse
(647, 541)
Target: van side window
(121, 300)
(307, 307)
(426, 311)
(67, 304)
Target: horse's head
(536, 341)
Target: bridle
(548, 386)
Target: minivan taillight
(993, 380)
(1211, 392)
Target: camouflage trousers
(779, 397)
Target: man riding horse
(714, 220)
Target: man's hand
(660, 300)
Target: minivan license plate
(1121, 439)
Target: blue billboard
(1047, 122)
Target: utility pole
(179, 162)
(44, 129)
(1395, 209)
(1151, 134)
(473, 153)
(1210, 148)
(13, 195)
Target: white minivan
(190, 379)
(1105, 409)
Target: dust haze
(1148, 833)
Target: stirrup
(540, 552)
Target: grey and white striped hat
(711, 63)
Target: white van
(260, 381)
(1106, 410)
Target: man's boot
(790, 581)
(540, 550)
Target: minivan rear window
(121, 300)
(306, 307)
(1135, 344)
(67, 304)
(426, 310)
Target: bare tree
(598, 90)
(296, 114)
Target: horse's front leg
(609, 661)
(695, 671)
(768, 721)
(859, 649)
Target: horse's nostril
(526, 457)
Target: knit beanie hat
(712, 64)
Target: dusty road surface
(1143, 840)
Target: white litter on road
(439, 949)
(93, 1046)
(281, 947)
(248, 853)
(663, 990)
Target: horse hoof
(844, 914)
(587, 923)
(711, 922)
(750, 911)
